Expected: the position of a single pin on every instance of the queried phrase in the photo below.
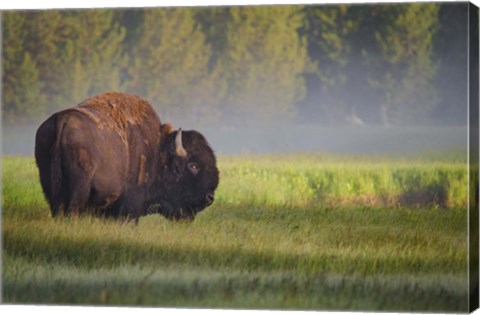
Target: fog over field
(366, 78)
(298, 138)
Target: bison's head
(191, 175)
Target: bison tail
(56, 171)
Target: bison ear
(167, 128)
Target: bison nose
(209, 199)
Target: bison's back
(119, 112)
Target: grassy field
(291, 232)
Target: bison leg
(78, 199)
(80, 173)
(128, 207)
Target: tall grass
(299, 180)
(181, 287)
(293, 231)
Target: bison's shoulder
(129, 116)
(115, 110)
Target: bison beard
(110, 155)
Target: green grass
(291, 231)
(300, 180)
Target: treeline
(331, 64)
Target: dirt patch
(428, 196)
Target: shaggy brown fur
(116, 111)
(112, 154)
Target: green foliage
(329, 29)
(214, 22)
(20, 81)
(452, 63)
(27, 92)
(339, 38)
(407, 47)
(169, 65)
(376, 61)
(44, 39)
(57, 58)
(331, 64)
(241, 252)
(263, 62)
(90, 55)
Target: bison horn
(179, 149)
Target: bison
(111, 156)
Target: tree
(262, 64)
(214, 23)
(26, 101)
(43, 40)
(54, 59)
(170, 66)
(20, 78)
(91, 56)
(451, 51)
(407, 50)
(401, 63)
(329, 30)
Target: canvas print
(283, 157)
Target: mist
(334, 79)
(346, 140)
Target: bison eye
(193, 167)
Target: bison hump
(116, 110)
